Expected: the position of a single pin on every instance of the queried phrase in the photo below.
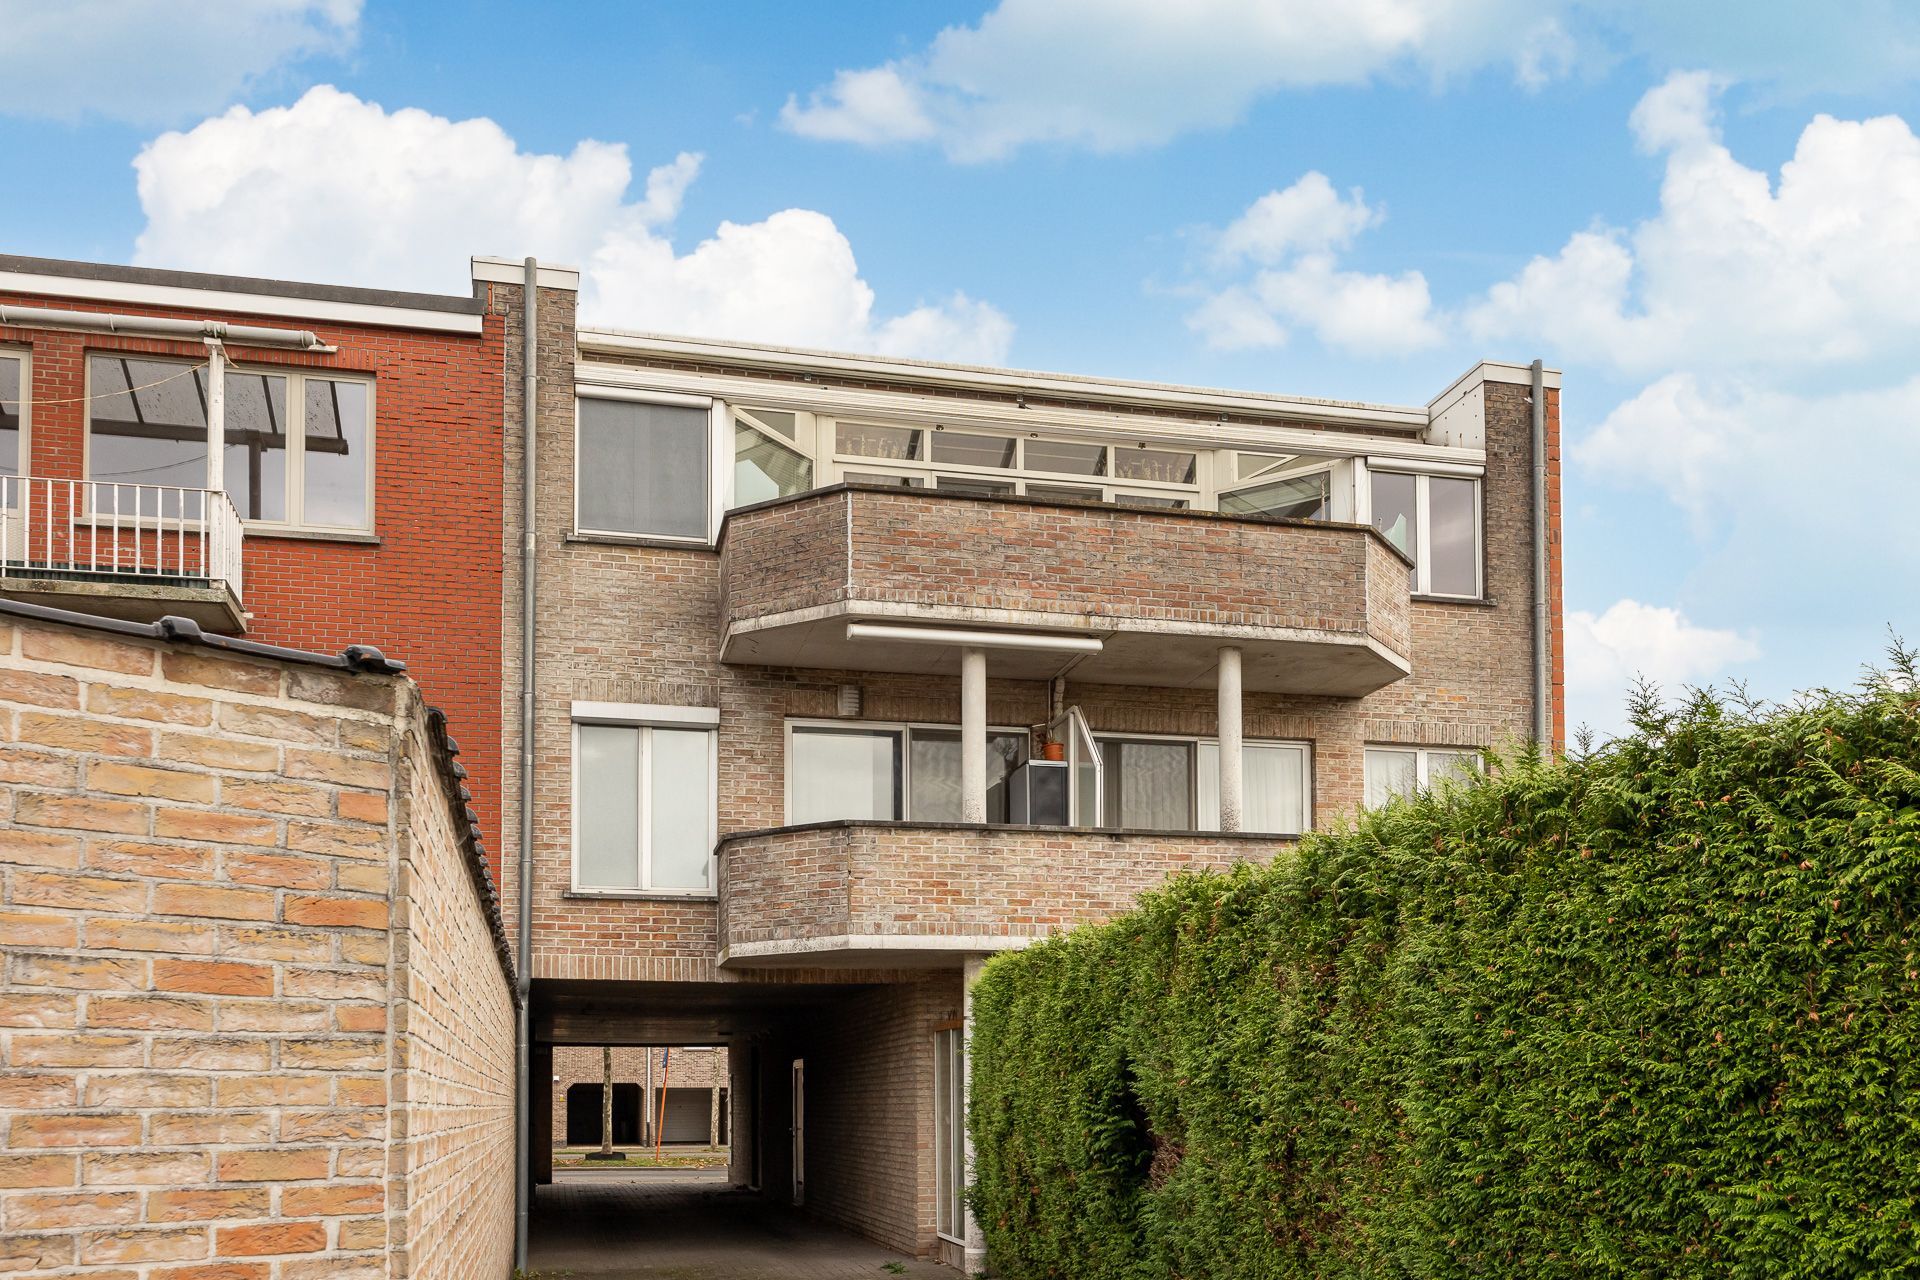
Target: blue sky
(1707, 215)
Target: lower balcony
(133, 551)
(896, 894)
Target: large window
(1393, 772)
(13, 414)
(890, 772)
(1173, 784)
(643, 469)
(298, 445)
(950, 1132)
(1436, 521)
(644, 817)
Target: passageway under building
(842, 1109)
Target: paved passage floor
(671, 1224)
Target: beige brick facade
(254, 1017)
(840, 946)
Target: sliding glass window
(891, 772)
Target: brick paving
(675, 1226)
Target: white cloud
(1607, 652)
(1819, 268)
(1307, 217)
(1115, 74)
(156, 61)
(1110, 75)
(1292, 238)
(335, 188)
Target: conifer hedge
(1649, 1011)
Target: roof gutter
(529, 341)
(245, 335)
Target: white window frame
(903, 727)
(296, 432)
(833, 465)
(804, 443)
(25, 408)
(949, 1159)
(1422, 775)
(645, 717)
(719, 477)
(1197, 741)
(1422, 520)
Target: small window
(1066, 458)
(967, 450)
(1150, 500)
(974, 488)
(13, 415)
(1064, 492)
(1293, 497)
(643, 468)
(875, 477)
(893, 444)
(298, 445)
(1161, 466)
(643, 808)
(1436, 521)
(1393, 772)
(767, 463)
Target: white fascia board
(644, 713)
(182, 298)
(1010, 382)
(927, 409)
(508, 271)
(1489, 371)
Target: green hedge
(1650, 1011)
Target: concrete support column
(976, 1240)
(973, 735)
(1231, 790)
(713, 1109)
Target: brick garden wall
(252, 1023)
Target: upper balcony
(899, 893)
(132, 551)
(1316, 607)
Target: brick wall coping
(1115, 833)
(1021, 499)
(355, 659)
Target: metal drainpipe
(523, 1154)
(1542, 651)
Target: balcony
(898, 894)
(1316, 607)
(132, 551)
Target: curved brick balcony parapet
(896, 894)
(1316, 607)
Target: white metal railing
(110, 529)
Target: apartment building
(841, 673)
(307, 465)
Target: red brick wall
(429, 591)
